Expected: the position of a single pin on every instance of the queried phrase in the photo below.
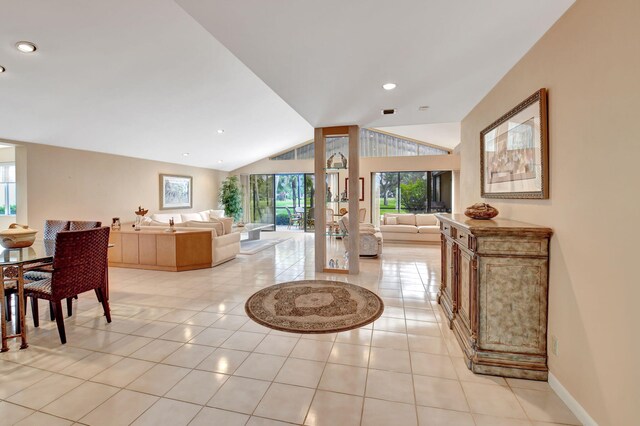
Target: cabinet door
(466, 287)
(448, 271)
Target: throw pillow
(392, 220)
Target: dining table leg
(5, 347)
(22, 308)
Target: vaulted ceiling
(156, 79)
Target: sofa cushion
(404, 229)
(164, 217)
(401, 218)
(392, 220)
(429, 229)
(426, 219)
(219, 228)
(216, 214)
(190, 216)
(227, 223)
(204, 215)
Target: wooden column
(354, 199)
(320, 198)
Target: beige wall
(367, 166)
(61, 183)
(590, 63)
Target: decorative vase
(482, 211)
(139, 215)
(17, 236)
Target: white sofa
(370, 238)
(225, 242)
(410, 227)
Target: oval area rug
(314, 306)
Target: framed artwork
(176, 192)
(514, 152)
(346, 188)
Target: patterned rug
(314, 306)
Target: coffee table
(252, 230)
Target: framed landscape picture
(175, 192)
(514, 152)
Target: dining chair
(79, 265)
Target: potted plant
(231, 198)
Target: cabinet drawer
(462, 237)
(445, 228)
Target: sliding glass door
(262, 195)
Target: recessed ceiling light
(26, 47)
(219, 161)
(388, 111)
(389, 86)
(185, 154)
(220, 131)
(423, 108)
(1, 69)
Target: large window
(372, 144)
(7, 189)
(411, 192)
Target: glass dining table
(13, 264)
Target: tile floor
(180, 350)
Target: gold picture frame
(514, 152)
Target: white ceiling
(328, 59)
(446, 135)
(144, 79)
(137, 78)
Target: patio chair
(79, 265)
(294, 218)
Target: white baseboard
(571, 402)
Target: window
(372, 144)
(7, 189)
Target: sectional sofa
(410, 227)
(225, 242)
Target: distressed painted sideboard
(494, 291)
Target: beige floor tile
(189, 355)
(213, 416)
(385, 413)
(355, 355)
(159, 379)
(423, 328)
(212, 337)
(428, 344)
(344, 379)
(243, 341)
(492, 400)
(261, 421)
(260, 366)
(197, 387)
(121, 409)
(154, 329)
(177, 316)
(230, 322)
(39, 419)
(390, 360)
(80, 401)
(203, 319)
(359, 336)
(545, 406)
(123, 372)
(223, 361)
(312, 350)
(484, 420)
(420, 315)
(440, 393)
(168, 412)
(428, 416)
(390, 324)
(91, 365)
(390, 386)
(300, 372)
(239, 394)
(329, 409)
(11, 413)
(529, 384)
(277, 345)
(156, 351)
(182, 333)
(45, 391)
(286, 403)
(433, 365)
(127, 345)
(466, 375)
(391, 340)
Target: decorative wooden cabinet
(155, 249)
(494, 289)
